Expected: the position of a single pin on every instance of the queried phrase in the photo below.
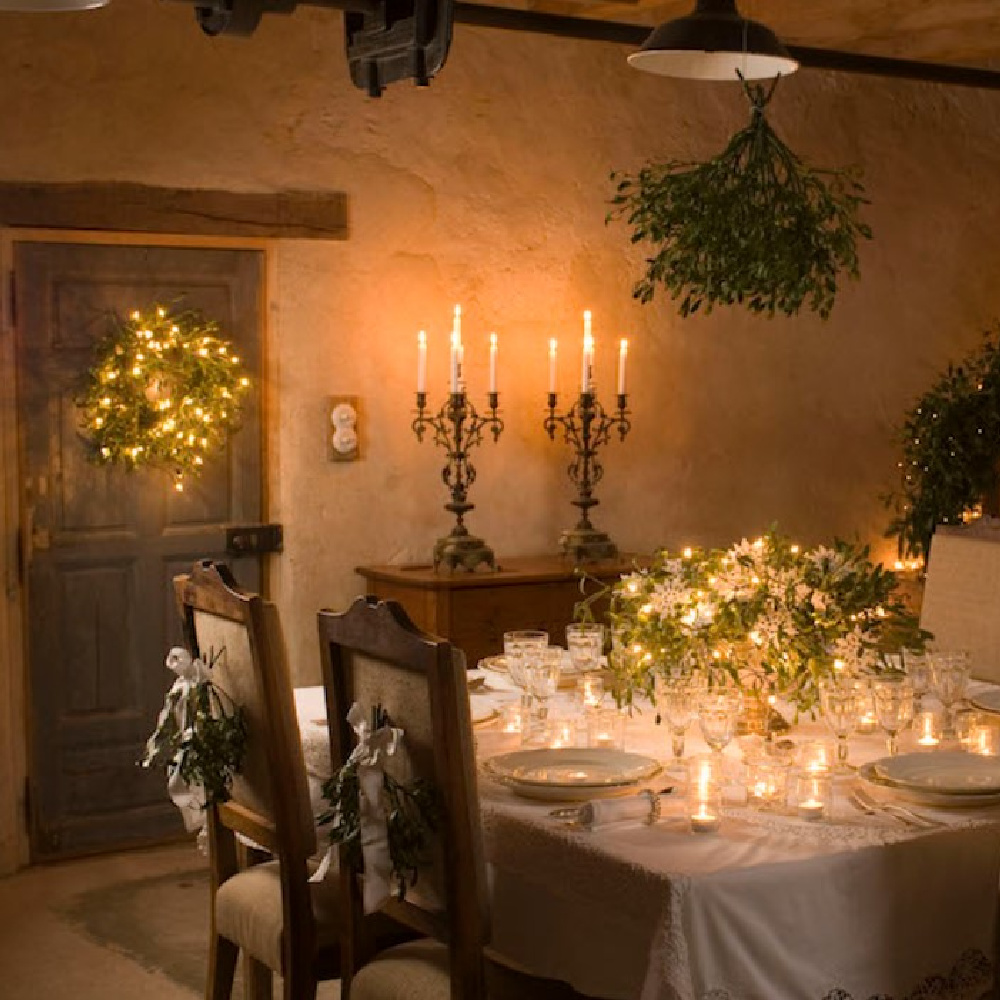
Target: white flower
(180, 662)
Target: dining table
(860, 905)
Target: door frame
(14, 707)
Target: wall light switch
(342, 428)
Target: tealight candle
(703, 820)
(511, 719)
(591, 690)
(768, 782)
(605, 728)
(816, 756)
(927, 729)
(813, 794)
(983, 740)
(867, 721)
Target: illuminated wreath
(164, 390)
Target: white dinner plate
(483, 714)
(988, 700)
(946, 772)
(571, 774)
(924, 796)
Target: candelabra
(458, 428)
(587, 426)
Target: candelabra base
(462, 551)
(587, 545)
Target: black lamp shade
(713, 43)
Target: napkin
(602, 812)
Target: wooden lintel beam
(138, 208)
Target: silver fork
(872, 806)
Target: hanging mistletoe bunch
(753, 226)
(950, 450)
(165, 389)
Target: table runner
(766, 909)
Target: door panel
(104, 544)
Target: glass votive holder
(813, 791)
(867, 720)
(704, 794)
(928, 729)
(983, 737)
(816, 755)
(606, 728)
(590, 690)
(513, 719)
(767, 783)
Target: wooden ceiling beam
(592, 29)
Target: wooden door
(101, 545)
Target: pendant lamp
(713, 43)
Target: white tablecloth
(768, 908)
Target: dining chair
(373, 654)
(283, 923)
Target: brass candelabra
(587, 426)
(458, 428)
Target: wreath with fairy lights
(950, 443)
(165, 390)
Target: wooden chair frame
(289, 834)
(382, 630)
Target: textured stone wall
(489, 189)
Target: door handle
(254, 539)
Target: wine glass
(893, 707)
(585, 640)
(541, 672)
(918, 670)
(718, 712)
(677, 701)
(949, 676)
(517, 646)
(839, 702)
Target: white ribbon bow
(369, 756)
(189, 799)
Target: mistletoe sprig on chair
(411, 809)
(201, 734)
(754, 226)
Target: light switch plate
(343, 419)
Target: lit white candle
(622, 358)
(456, 324)
(587, 371)
(493, 362)
(454, 363)
(927, 725)
(422, 361)
(552, 365)
(703, 820)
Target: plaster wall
(489, 189)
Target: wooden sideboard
(474, 610)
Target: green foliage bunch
(950, 443)
(200, 734)
(164, 389)
(412, 816)
(765, 615)
(753, 226)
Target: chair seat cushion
(418, 970)
(248, 912)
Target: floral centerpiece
(766, 615)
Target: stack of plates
(571, 775)
(950, 778)
(988, 700)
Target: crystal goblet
(677, 701)
(718, 713)
(949, 677)
(838, 700)
(893, 706)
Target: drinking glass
(585, 641)
(718, 712)
(949, 676)
(677, 701)
(839, 702)
(517, 646)
(893, 706)
(918, 670)
(541, 672)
